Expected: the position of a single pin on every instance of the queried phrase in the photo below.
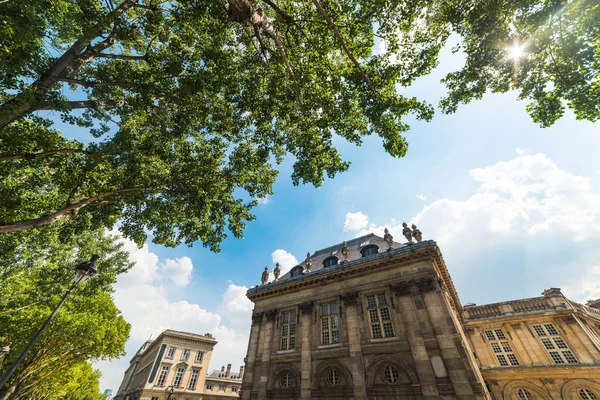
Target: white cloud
(236, 307)
(286, 260)
(355, 221)
(522, 152)
(264, 200)
(587, 285)
(422, 197)
(178, 270)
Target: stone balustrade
(524, 306)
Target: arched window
(333, 377)
(586, 394)
(524, 394)
(296, 271)
(369, 250)
(286, 379)
(391, 374)
(330, 261)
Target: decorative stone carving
(350, 298)
(427, 284)
(265, 276)
(569, 319)
(407, 232)
(469, 331)
(401, 289)
(516, 326)
(389, 239)
(416, 233)
(308, 263)
(271, 314)
(547, 381)
(307, 307)
(257, 317)
(277, 271)
(345, 251)
(491, 382)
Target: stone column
(415, 339)
(248, 377)
(581, 348)
(306, 349)
(356, 358)
(265, 361)
(522, 351)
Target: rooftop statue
(417, 233)
(345, 251)
(265, 276)
(277, 271)
(389, 239)
(307, 263)
(407, 233)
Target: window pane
(556, 357)
(284, 330)
(292, 343)
(388, 330)
(376, 330)
(560, 343)
(334, 308)
(385, 314)
(502, 360)
(371, 302)
(325, 337)
(381, 299)
(539, 330)
(374, 316)
(569, 357)
(284, 343)
(286, 317)
(551, 329)
(334, 322)
(512, 359)
(490, 335)
(500, 334)
(506, 346)
(293, 316)
(496, 347)
(548, 344)
(292, 329)
(335, 337)
(325, 323)
(325, 309)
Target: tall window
(222, 388)
(234, 389)
(171, 352)
(379, 315)
(554, 344)
(199, 356)
(288, 331)
(524, 394)
(178, 377)
(209, 387)
(163, 376)
(501, 348)
(193, 379)
(586, 394)
(186, 354)
(330, 333)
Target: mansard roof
(354, 247)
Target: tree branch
(91, 84)
(72, 105)
(340, 38)
(122, 56)
(33, 156)
(279, 11)
(65, 212)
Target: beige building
(376, 319)
(175, 363)
(545, 347)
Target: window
(330, 333)
(162, 377)
(222, 388)
(297, 270)
(391, 374)
(333, 377)
(524, 394)
(234, 389)
(186, 354)
(199, 357)
(209, 387)
(193, 379)
(154, 398)
(286, 380)
(178, 377)
(171, 352)
(379, 315)
(369, 250)
(330, 261)
(554, 344)
(501, 348)
(288, 331)
(586, 394)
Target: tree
(78, 382)
(36, 268)
(194, 102)
(548, 51)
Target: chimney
(223, 369)
(594, 304)
(241, 372)
(228, 373)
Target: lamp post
(171, 392)
(84, 270)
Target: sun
(516, 52)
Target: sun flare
(516, 52)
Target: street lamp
(84, 270)
(171, 392)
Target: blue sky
(513, 207)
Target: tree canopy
(36, 268)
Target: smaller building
(223, 383)
(176, 363)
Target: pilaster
(357, 366)
(266, 354)
(306, 310)
(248, 378)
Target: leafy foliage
(36, 268)
(555, 47)
(194, 102)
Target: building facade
(545, 347)
(367, 319)
(175, 364)
(376, 319)
(223, 384)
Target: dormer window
(369, 250)
(330, 261)
(296, 271)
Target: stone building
(175, 363)
(370, 318)
(223, 384)
(376, 319)
(545, 347)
